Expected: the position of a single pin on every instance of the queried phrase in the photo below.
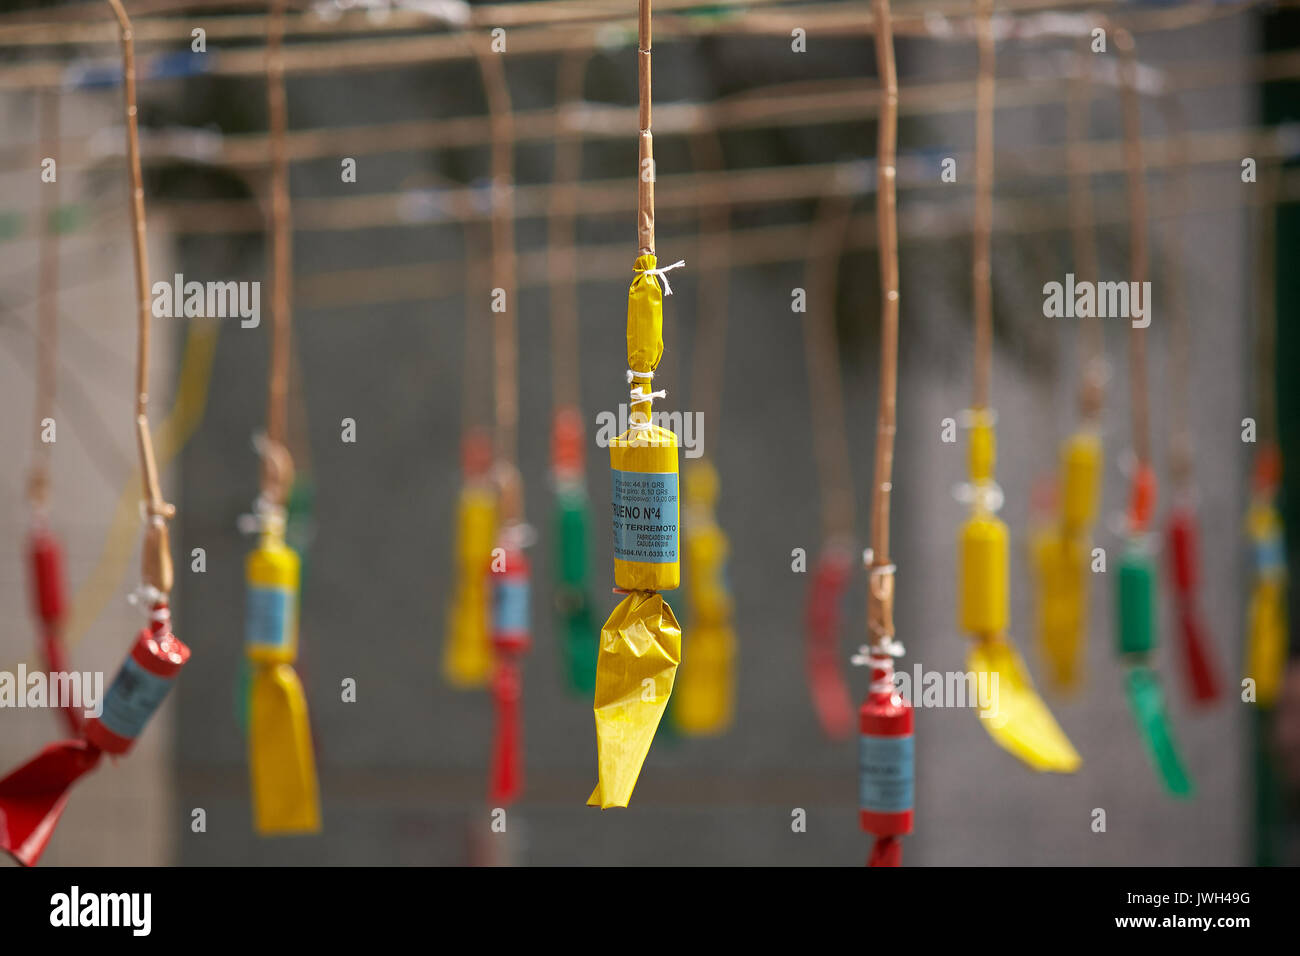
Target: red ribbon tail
(1201, 680)
(33, 796)
(830, 691)
(887, 851)
(507, 769)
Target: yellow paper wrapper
(640, 648)
(1019, 721)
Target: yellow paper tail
(1267, 638)
(286, 797)
(640, 648)
(1061, 566)
(1014, 715)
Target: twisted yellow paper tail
(286, 796)
(1014, 715)
(640, 648)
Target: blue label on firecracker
(269, 617)
(885, 774)
(510, 606)
(645, 516)
(132, 698)
(1269, 555)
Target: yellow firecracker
(282, 765)
(1015, 716)
(706, 682)
(1266, 636)
(641, 643)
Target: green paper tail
(1147, 704)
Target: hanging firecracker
(32, 797)
(1136, 594)
(467, 649)
(886, 763)
(1266, 628)
(641, 642)
(705, 692)
(1021, 722)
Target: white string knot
(266, 516)
(661, 272)
(148, 598)
(638, 394)
(880, 657)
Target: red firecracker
(510, 640)
(885, 765)
(32, 797)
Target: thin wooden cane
(277, 468)
(1174, 275)
(562, 257)
(156, 562)
(47, 308)
(880, 597)
(1139, 268)
(981, 263)
(1083, 232)
(645, 183)
(505, 330)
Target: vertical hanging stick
(645, 186)
(505, 326)
(981, 264)
(156, 562)
(562, 256)
(1083, 231)
(277, 467)
(1139, 256)
(47, 317)
(880, 607)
